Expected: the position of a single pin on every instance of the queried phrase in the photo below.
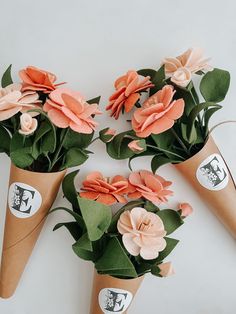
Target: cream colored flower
(27, 124)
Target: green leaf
(147, 72)
(69, 190)
(171, 219)
(170, 245)
(158, 80)
(22, 158)
(74, 157)
(73, 227)
(97, 217)
(76, 216)
(118, 147)
(155, 270)
(148, 152)
(78, 140)
(208, 114)
(105, 138)
(115, 261)
(95, 100)
(214, 85)
(150, 207)
(160, 160)
(83, 248)
(163, 140)
(6, 78)
(5, 140)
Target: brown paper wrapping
(101, 282)
(21, 234)
(223, 201)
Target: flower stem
(180, 142)
(166, 151)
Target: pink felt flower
(181, 68)
(13, 100)
(166, 269)
(27, 124)
(128, 90)
(35, 79)
(67, 108)
(105, 190)
(135, 146)
(150, 186)
(158, 113)
(143, 233)
(185, 209)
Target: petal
(130, 245)
(58, 118)
(177, 110)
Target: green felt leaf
(115, 261)
(97, 217)
(6, 78)
(105, 138)
(171, 219)
(214, 85)
(155, 270)
(74, 157)
(73, 227)
(76, 216)
(170, 245)
(207, 116)
(158, 161)
(95, 100)
(158, 80)
(5, 140)
(147, 72)
(150, 207)
(148, 152)
(21, 151)
(68, 188)
(118, 147)
(83, 248)
(163, 140)
(77, 140)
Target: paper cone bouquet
(171, 124)
(128, 244)
(44, 129)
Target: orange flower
(105, 190)
(143, 233)
(150, 186)
(38, 80)
(128, 89)
(67, 108)
(158, 113)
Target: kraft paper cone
(113, 295)
(211, 178)
(31, 195)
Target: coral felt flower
(166, 269)
(67, 108)
(158, 113)
(105, 190)
(186, 209)
(143, 233)
(13, 100)
(27, 124)
(128, 88)
(38, 80)
(150, 186)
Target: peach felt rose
(135, 146)
(158, 113)
(142, 233)
(150, 186)
(27, 124)
(13, 100)
(185, 209)
(67, 108)
(181, 68)
(36, 79)
(166, 269)
(105, 190)
(128, 88)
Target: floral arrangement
(138, 233)
(44, 127)
(170, 118)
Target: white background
(89, 44)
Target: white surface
(90, 43)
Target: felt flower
(13, 100)
(166, 269)
(142, 233)
(136, 146)
(128, 91)
(67, 108)
(158, 113)
(27, 124)
(36, 79)
(185, 209)
(149, 186)
(105, 190)
(181, 68)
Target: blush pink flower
(135, 146)
(181, 68)
(35, 79)
(149, 186)
(13, 100)
(27, 124)
(142, 233)
(67, 108)
(185, 209)
(105, 190)
(128, 91)
(158, 113)
(166, 269)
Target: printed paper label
(212, 173)
(23, 200)
(113, 300)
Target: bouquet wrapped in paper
(171, 123)
(124, 245)
(44, 129)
